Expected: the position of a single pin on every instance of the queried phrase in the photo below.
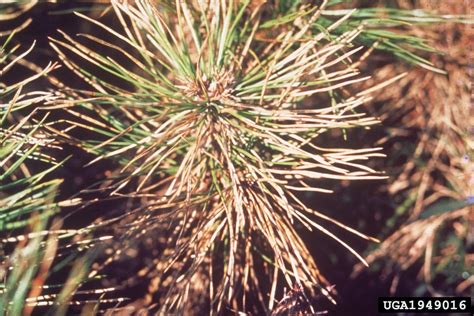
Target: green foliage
(385, 30)
(28, 196)
(445, 206)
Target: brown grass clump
(429, 119)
